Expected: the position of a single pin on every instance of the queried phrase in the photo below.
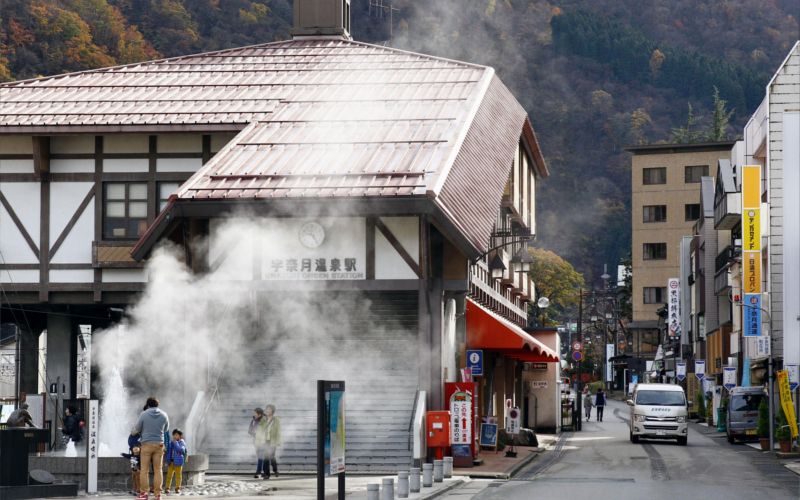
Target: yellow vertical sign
(786, 401)
(751, 228)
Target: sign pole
(92, 447)
(321, 440)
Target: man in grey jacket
(152, 425)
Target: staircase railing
(416, 429)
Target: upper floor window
(655, 251)
(654, 175)
(655, 294)
(693, 173)
(165, 189)
(124, 210)
(654, 213)
(692, 211)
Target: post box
(437, 427)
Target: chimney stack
(321, 18)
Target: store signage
(488, 435)
(512, 421)
(729, 377)
(93, 447)
(460, 418)
(680, 370)
(475, 361)
(674, 307)
(83, 366)
(538, 384)
(700, 369)
(786, 400)
(762, 346)
(609, 366)
(751, 315)
(794, 376)
(538, 366)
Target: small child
(175, 457)
(134, 446)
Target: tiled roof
(318, 117)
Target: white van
(658, 411)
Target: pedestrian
(152, 424)
(176, 456)
(133, 455)
(71, 430)
(587, 403)
(273, 436)
(20, 417)
(600, 403)
(257, 429)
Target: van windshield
(660, 398)
(746, 402)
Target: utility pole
(578, 393)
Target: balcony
(727, 211)
(724, 259)
(722, 282)
(495, 295)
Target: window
(124, 210)
(692, 211)
(655, 175)
(655, 294)
(655, 251)
(654, 213)
(165, 189)
(693, 173)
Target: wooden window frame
(657, 256)
(648, 182)
(127, 200)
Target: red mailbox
(437, 427)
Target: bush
(762, 426)
(700, 404)
(782, 432)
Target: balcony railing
(722, 282)
(724, 258)
(496, 296)
(728, 211)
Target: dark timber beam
(41, 155)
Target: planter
(785, 445)
(764, 443)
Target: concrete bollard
(448, 467)
(413, 480)
(402, 484)
(438, 471)
(427, 475)
(387, 490)
(373, 491)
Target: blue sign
(751, 310)
(577, 355)
(488, 435)
(475, 361)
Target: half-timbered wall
(72, 207)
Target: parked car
(742, 415)
(658, 411)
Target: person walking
(600, 403)
(152, 424)
(20, 417)
(257, 429)
(72, 426)
(587, 403)
(273, 440)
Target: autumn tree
(556, 279)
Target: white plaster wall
(15, 166)
(19, 276)
(791, 238)
(124, 275)
(126, 143)
(126, 165)
(24, 199)
(180, 143)
(237, 265)
(65, 197)
(388, 263)
(178, 164)
(61, 166)
(72, 144)
(71, 275)
(16, 144)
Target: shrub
(700, 404)
(762, 426)
(782, 432)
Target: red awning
(490, 331)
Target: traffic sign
(475, 361)
(576, 346)
(577, 355)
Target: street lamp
(522, 260)
(496, 267)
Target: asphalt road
(601, 463)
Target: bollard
(438, 471)
(402, 484)
(448, 467)
(387, 491)
(413, 480)
(373, 491)
(427, 475)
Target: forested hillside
(594, 75)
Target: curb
(523, 463)
(433, 494)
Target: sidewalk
(496, 465)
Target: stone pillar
(59, 363)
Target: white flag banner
(680, 370)
(700, 369)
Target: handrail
(416, 428)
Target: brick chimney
(326, 18)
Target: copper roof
(319, 118)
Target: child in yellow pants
(175, 457)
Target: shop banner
(700, 369)
(793, 375)
(786, 400)
(762, 346)
(674, 307)
(752, 315)
(729, 377)
(680, 370)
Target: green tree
(556, 279)
(687, 133)
(718, 129)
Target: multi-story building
(665, 206)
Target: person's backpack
(252, 428)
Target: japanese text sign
(674, 307)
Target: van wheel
(634, 439)
(731, 439)
(683, 441)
